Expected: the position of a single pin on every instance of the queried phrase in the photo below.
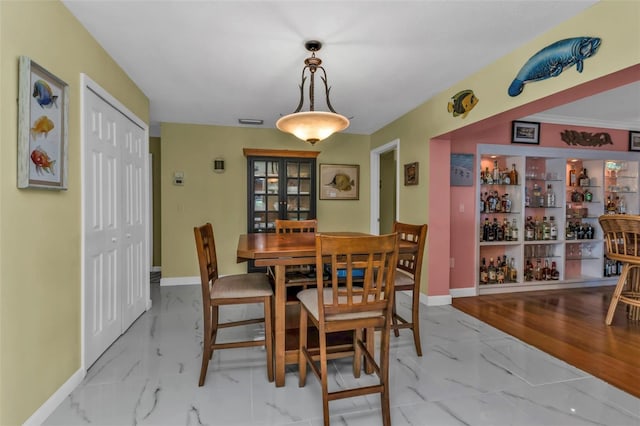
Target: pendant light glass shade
(313, 126)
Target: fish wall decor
(462, 102)
(573, 137)
(553, 59)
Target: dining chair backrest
(375, 259)
(416, 234)
(207, 259)
(284, 226)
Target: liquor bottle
(546, 229)
(546, 271)
(513, 175)
(555, 274)
(622, 206)
(537, 271)
(507, 203)
(538, 199)
(583, 180)
(551, 196)
(499, 272)
(527, 198)
(573, 181)
(506, 229)
(513, 272)
(484, 273)
(611, 205)
(499, 231)
(486, 229)
(528, 271)
(529, 234)
(491, 233)
(537, 230)
(496, 172)
(514, 230)
(491, 272)
(488, 178)
(482, 205)
(588, 196)
(553, 228)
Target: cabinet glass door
(299, 185)
(265, 194)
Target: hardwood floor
(568, 324)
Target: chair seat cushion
(403, 278)
(309, 299)
(255, 284)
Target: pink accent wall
(438, 239)
(452, 231)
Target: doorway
(384, 187)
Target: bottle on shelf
(484, 273)
(537, 230)
(537, 271)
(506, 203)
(553, 228)
(546, 271)
(588, 196)
(488, 178)
(622, 206)
(496, 172)
(491, 272)
(506, 229)
(573, 180)
(527, 198)
(514, 230)
(546, 229)
(498, 230)
(513, 175)
(538, 198)
(555, 274)
(499, 271)
(529, 230)
(550, 196)
(611, 206)
(583, 179)
(513, 272)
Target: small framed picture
(634, 141)
(339, 181)
(411, 174)
(461, 170)
(525, 132)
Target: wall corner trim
(45, 410)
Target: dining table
(276, 252)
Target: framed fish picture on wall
(43, 135)
(339, 181)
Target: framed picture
(411, 174)
(339, 181)
(525, 132)
(634, 141)
(461, 170)
(43, 111)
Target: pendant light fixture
(313, 126)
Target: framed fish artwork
(339, 181)
(525, 132)
(43, 135)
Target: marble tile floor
(469, 374)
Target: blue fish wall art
(553, 59)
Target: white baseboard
(179, 281)
(156, 268)
(435, 300)
(463, 292)
(45, 410)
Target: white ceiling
(213, 62)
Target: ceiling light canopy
(313, 126)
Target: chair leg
(207, 349)
(394, 319)
(384, 376)
(357, 353)
(268, 337)
(415, 326)
(302, 359)
(323, 375)
(214, 327)
(616, 294)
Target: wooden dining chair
(408, 278)
(622, 243)
(229, 290)
(343, 303)
(298, 275)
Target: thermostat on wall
(178, 178)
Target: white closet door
(134, 223)
(103, 270)
(116, 267)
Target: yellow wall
(222, 198)
(41, 235)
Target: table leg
(280, 317)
